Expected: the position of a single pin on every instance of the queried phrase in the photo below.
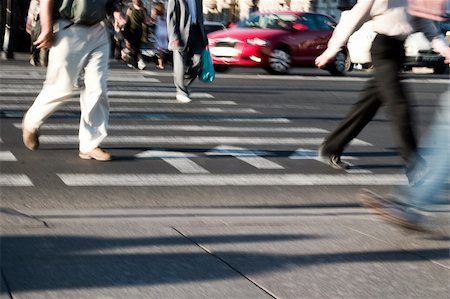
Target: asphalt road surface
(219, 198)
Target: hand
(446, 55)
(119, 19)
(326, 58)
(44, 41)
(28, 26)
(175, 44)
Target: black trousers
(384, 88)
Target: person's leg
(359, 116)
(434, 147)
(179, 62)
(93, 98)
(194, 61)
(62, 73)
(388, 56)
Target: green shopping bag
(207, 72)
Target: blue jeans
(435, 149)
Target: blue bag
(207, 72)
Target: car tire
(279, 61)
(349, 65)
(338, 67)
(442, 69)
(220, 68)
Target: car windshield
(271, 21)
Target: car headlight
(258, 42)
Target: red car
(275, 42)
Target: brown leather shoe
(30, 139)
(96, 154)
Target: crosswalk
(187, 138)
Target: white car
(417, 49)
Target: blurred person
(119, 41)
(393, 24)
(187, 39)
(76, 50)
(161, 36)
(135, 29)
(408, 205)
(38, 57)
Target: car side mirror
(300, 27)
(232, 25)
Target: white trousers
(78, 51)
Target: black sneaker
(332, 160)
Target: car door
(304, 40)
(324, 29)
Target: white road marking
(15, 180)
(245, 155)
(64, 139)
(150, 101)
(188, 128)
(179, 160)
(157, 94)
(86, 179)
(145, 109)
(166, 118)
(7, 156)
(126, 93)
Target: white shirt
(389, 17)
(192, 10)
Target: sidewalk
(296, 252)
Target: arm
(32, 12)
(173, 24)
(45, 39)
(350, 22)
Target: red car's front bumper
(240, 54)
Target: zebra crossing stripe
(6, 156)
(150, 101)
(244, 155)
(64, 139)
(145, 180)
(15, 180)
(167, 117)
(157, 94)
(146, 109)
(179, 160)
(188, 128)
(5, 91)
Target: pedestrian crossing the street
(188, 139)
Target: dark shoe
(332, 160)
(30, 138)
(390, 210)
(96, 154)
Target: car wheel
(349, 65)
(338, 68)
(442, 69)
(220, 68)
(279, 62)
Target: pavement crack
(226, 263)
(14, 212)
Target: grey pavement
(219, 253)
